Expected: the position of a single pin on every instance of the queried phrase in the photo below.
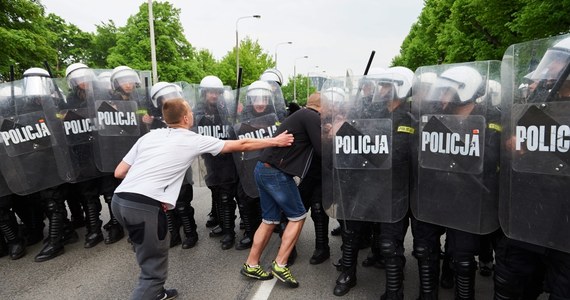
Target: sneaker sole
(289, 283)
(244, 273)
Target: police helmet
(465, 81)
(37, 82)
(335, 95)
(124, 74)
(398, 78)
(211, 83)
(272, 75)
(78, 73)
(258, 93)
(163, 91)
(554, 61)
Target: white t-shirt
(160, 159)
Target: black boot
(347, 278)
(345, 281)
(428, 280)
(54, 244)
(186, 216)
(227, 212)
(394, 279)
(114, 229)
(173, 228)
(213, 216)
(94, 234)
(247, 240)
(465, 279)
(9, 228)
(321, 220)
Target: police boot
(394, 264)
(186, 215)
(322, 250)
(94, 234)
(9, 228)
(54, 244)
(247, 240)
(227, 211)
(347, 278)
(213, 216)
(428, 268)
(447, 274)
(173, 228)
(465, 279)
(115, 231)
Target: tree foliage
(105, 38)
(174, 54)
(24, 36)
(70, 43)
(449, 31)
(252, 59)
(299, 84)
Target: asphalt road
(204, 272)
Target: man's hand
(284, 139)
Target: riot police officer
(213, 118)
(534, 178)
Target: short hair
(173, 110)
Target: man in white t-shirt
(152, 173)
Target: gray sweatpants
(148, 231)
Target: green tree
(252, 59)
(104, 39)
(71, 43)
(24, 36)
(174, 54)
(298, 84)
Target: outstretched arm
(283, 140)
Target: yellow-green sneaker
(284, 274)
(255, 272)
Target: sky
(336, 35)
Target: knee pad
(181, 207)
(424, 252)
(226, 198)
(465, 267)
(388, 248)
(4, 215)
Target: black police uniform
(222, 179)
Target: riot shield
(534, 206)
(359, 153)
(213, 116)
(32, 156)
(119, 124)
(456, 148)
(257, 119)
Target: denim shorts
(278, 193)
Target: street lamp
(237, 42)
(295, 77)
(283, 43)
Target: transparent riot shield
(359, 154)
(118, 128)
(31, 153)
(257, 119)
(214, 113)
(534, 206)
(78, 127)
(456, 148)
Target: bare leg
(260, 240)
(288, 241)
